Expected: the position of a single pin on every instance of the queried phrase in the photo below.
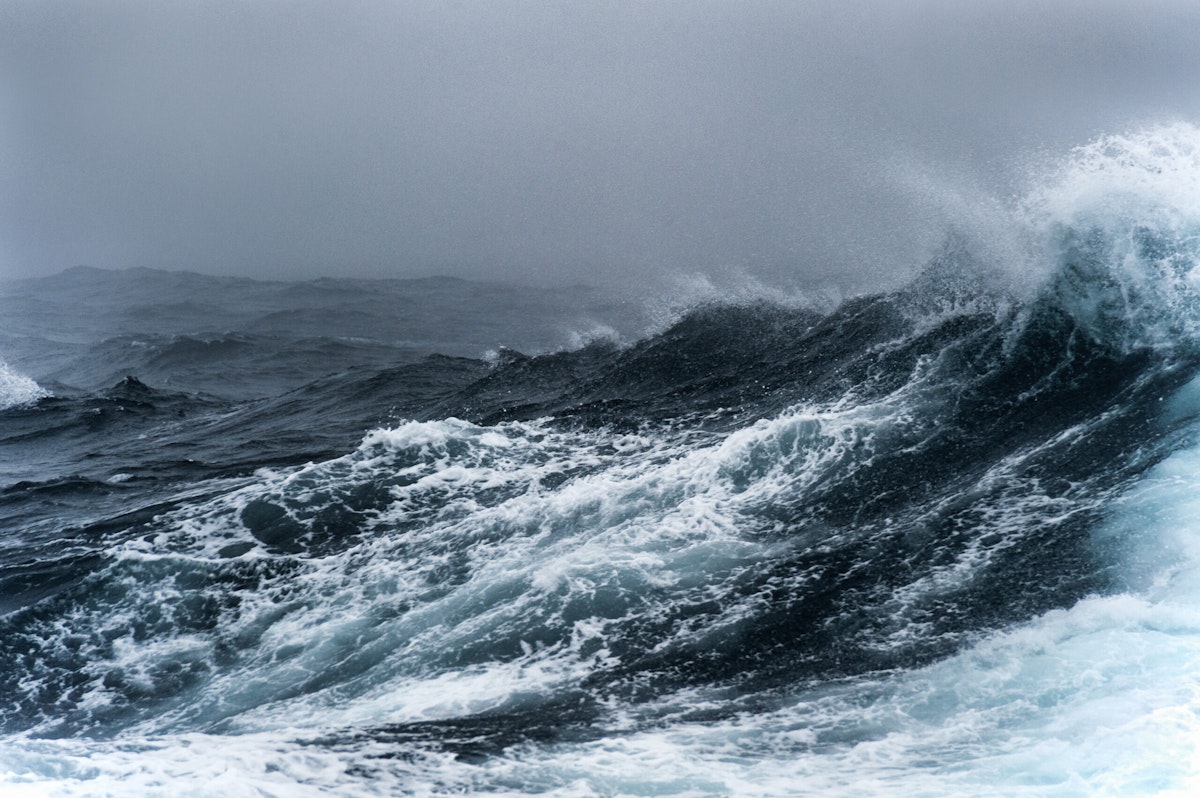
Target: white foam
(17, 389)
(199, 766)
(1112, 231)
(1124, 212)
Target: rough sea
(436, 537)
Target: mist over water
(346, 537)
(798, 143)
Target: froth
(1118, 224)
(17, 389)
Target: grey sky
(548, 140)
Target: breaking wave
(17, 389)
(938, 541)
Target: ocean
(434, 537)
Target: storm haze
(797, 143)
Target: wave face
(939, 541)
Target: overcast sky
(572, 141)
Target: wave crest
(17, 389)
(1119, 225)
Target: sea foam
(17, 389)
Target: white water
(1102, 698)
(17, 389)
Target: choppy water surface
(933, 542)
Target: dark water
(307, 539)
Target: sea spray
(16, 389)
